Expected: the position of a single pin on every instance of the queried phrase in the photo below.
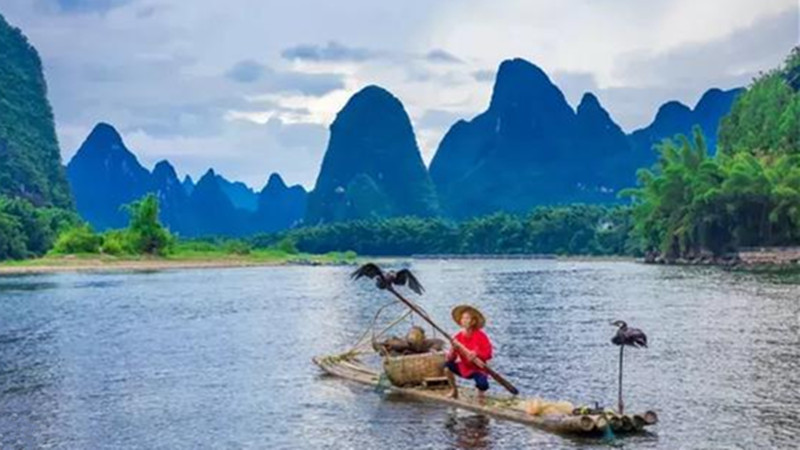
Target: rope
(361, 346)
(371, 328)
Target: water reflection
(9, 285)
(468, 431)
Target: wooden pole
(620, 405)
(499, 378)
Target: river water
(221, 358)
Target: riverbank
(530, 256)
(754, 259)
(205, 260)
(751, 257)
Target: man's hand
(469, 355)
(464, 351)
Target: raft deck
(504, 407)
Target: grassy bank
(186, 258)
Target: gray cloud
(298, 135)
(441, 56)
(243, 151)
(632, 108)
(732, 59)
(82, 6)
(246, 71)
(311, 84)
(335, 51)
(332, 52)
(178, 118)
(484, 75)
(685, 72)
(440, 119)
(574, 85)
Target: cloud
(331, 52)
(309, 84)
(484, 75)
(441, 56)
(335, 52)
(243, 151)
(207, 83)
(729, 59)
(246, 71)
(313, 84)
(685, 72)
(575, 84)
(83, 6)
(439, 119)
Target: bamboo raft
(504, 407)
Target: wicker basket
(412, 369)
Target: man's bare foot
(481, 398)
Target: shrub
(287, 245)
(237, 247)
(78, 239)
(117, 243)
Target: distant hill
(531, 148)
(214, 212)
(173, 199)
(30, 160)
(105, 175)
(240, 194)
(676, 118)
(372, 167)
(280, 206)
(188, 184)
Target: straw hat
(459, 310)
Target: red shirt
(478, 343)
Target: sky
(250, 87)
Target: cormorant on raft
(386, 279)
(632, 337)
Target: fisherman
(471, 350)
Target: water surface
(221, 358)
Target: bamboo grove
(748, 194)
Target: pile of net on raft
(414, 343)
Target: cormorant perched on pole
(633, 337)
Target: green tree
(29, 231)
(13, 241)
(766, 118)
(146, 234)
